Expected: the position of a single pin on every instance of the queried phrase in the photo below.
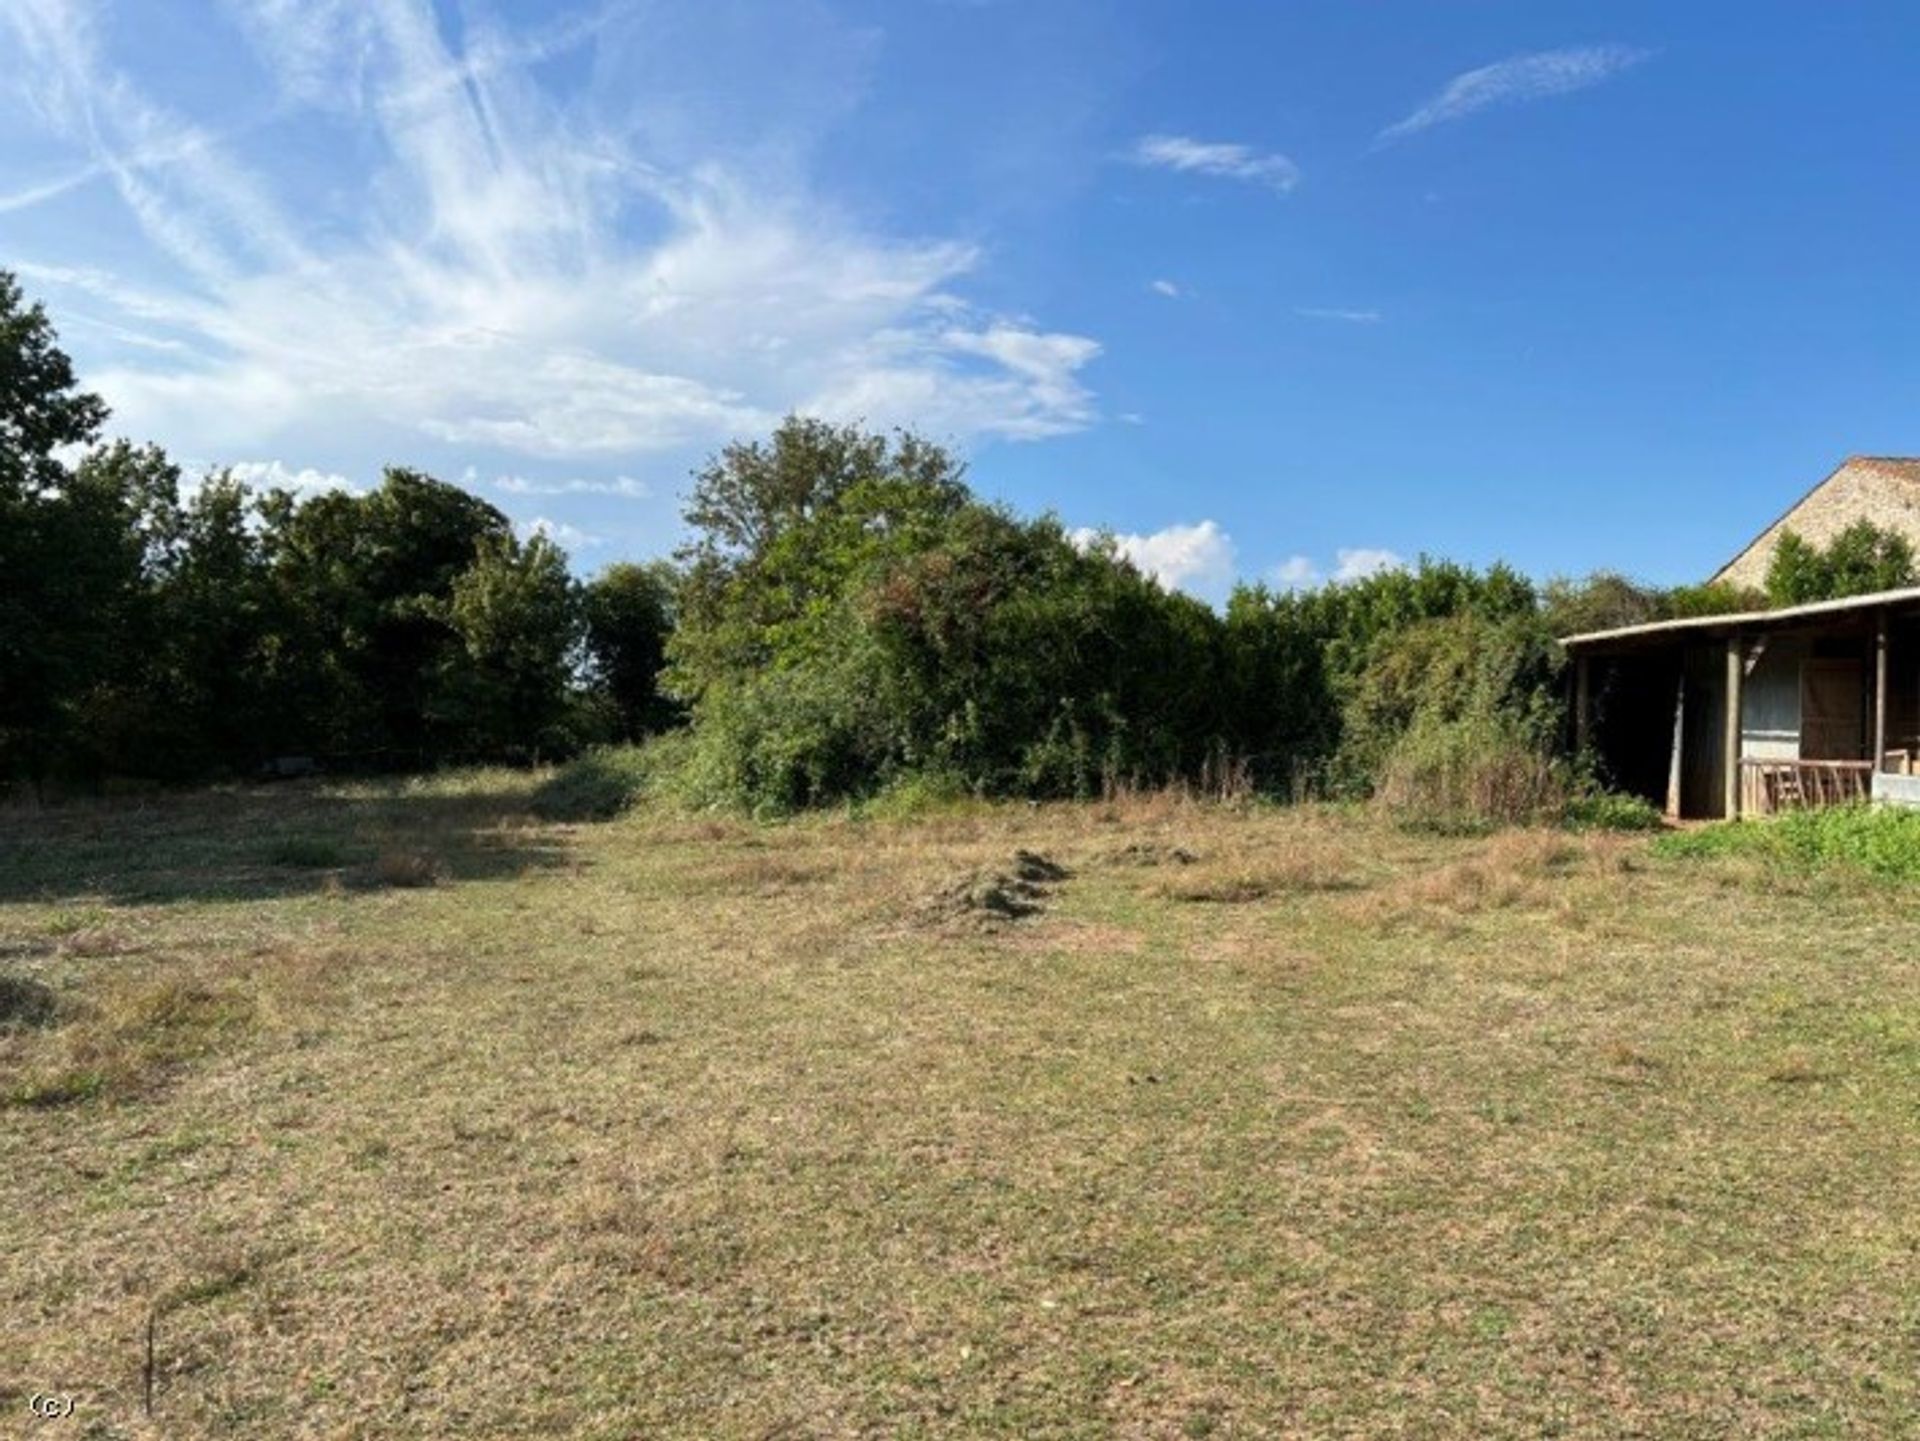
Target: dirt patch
(991, 898)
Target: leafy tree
(42, 408)
(1859, 560)
(71, 542)
(502, 691)
(893, 624)
(629, 614)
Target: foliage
(628, 611)
(1883, 841)
(502, 690)
(602, 782)
(1859, 560)
(1607, 600)
(880, 621)
(1602, 810)
(1471, 773)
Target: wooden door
(1833, 711)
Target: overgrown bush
(1471, 774)
(1598, 810)
(1882, 841)
(607, 781)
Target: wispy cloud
(1226, 159)
(624, 486)
(567, 537)
(1166, 288)
(518, 275)
(1351, 317)
(278, 475)
(1524, 77)
(1195, 558)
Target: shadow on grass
(262, 842)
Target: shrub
(405, 869)
(1879, 841)
(306, 853)
(1469, 775)
(597, 786)
(1612, 811)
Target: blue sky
(1274, 291)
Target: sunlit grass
(1253, 1122)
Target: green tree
(73, 544)
(360, 585)
(629, 614)
(1861, 559)
(502, 690)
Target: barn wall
(1770, 701)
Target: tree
(72, 542)
(629, 611)
(42, 408)
(502, 691)
(1859, 560)
(360, 588)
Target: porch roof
(1750, 619)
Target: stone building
(1729, 715)
(1884, 489)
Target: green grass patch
(605, 782)
(306, 853)
(1878, 841)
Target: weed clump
(597, 786)
(406, 870)
(306, 853)
(1877, 841)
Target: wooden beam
(1736, 675)
(1880, 693)
(1675, 758)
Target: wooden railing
(1768, 786)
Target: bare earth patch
(1139, 1119)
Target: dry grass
(683, 1126)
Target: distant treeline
(847, 617)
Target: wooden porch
(1756, 713)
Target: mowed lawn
(405, 1114)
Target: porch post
(1736, 675)
(1582, 704)
(1880, 693)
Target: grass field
(404, 1114)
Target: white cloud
(277, 475)
(1164, 287)
(1226, 159)
(1296, 572)
(1351, 317)
(567, 537)
(624, 486)
(1363, 561)
(515, 275)
(1197, 558)
(1301, 572)
(1525, 77)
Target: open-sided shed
(1728, 715)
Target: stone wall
(1886, 492)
